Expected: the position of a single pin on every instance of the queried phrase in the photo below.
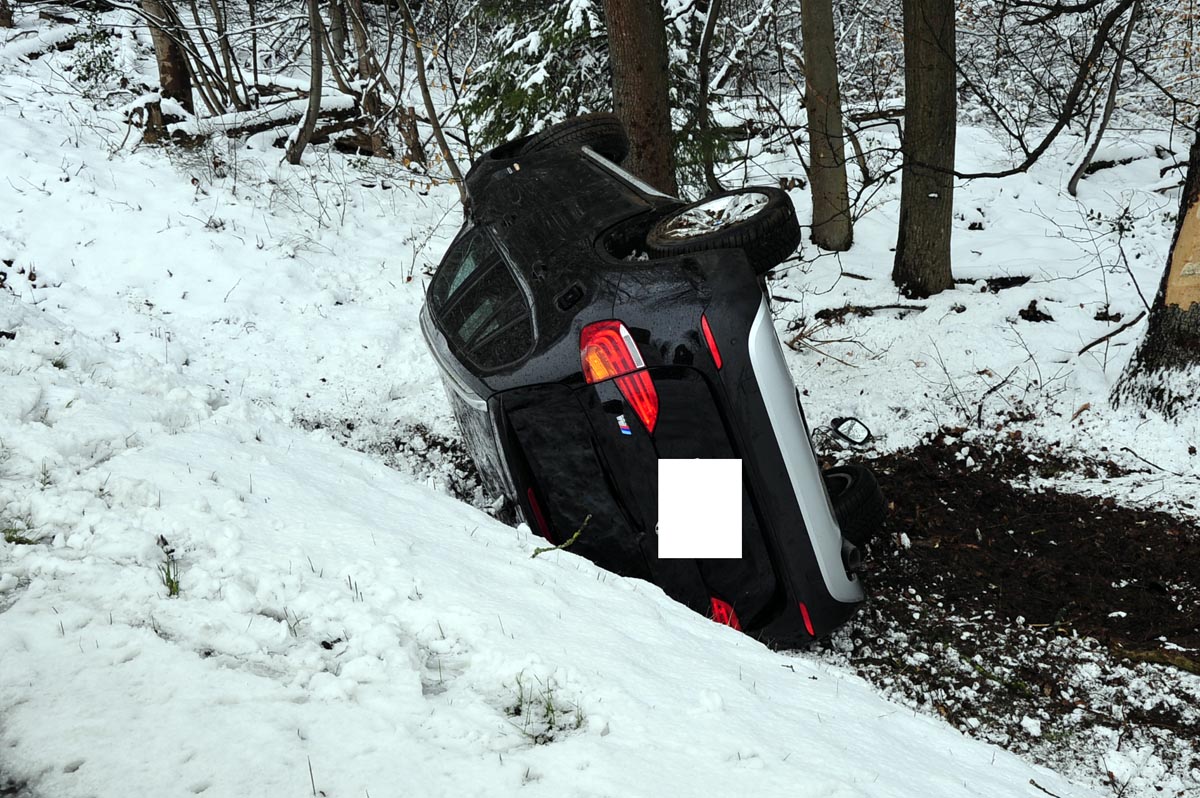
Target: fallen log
(40, 47)
(838, 315)
(54, 16)
(338, 107)
(323, 131)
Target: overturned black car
(587, 325)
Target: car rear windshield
(479, 305)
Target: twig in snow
(989, 392)
(565, 543)
(1156, 465)
(1043, 789)
(1120, 329)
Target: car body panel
(779, 396)
(562, 451)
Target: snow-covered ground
(185, 326)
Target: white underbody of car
(779, 395)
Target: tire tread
(767, 237)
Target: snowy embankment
(332, 614)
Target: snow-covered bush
(95, 58)
(547, 62)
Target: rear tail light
(607, 351)
(722, 612)
(710, 340)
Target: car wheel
(857, 502)
(759, 220)
(602, 132)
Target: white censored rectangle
(699, 509)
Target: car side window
(478, 304)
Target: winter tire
(602, 132)
(758, 220)
(857, 502)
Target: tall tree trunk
(6, 14)
(173, 74)
(252, 5)
(222, 33)
(1164, 373)
(296, 147)
(707, 142)
(831, 224)
(337, 29)
(368, 72)
(637, 48)
(922, 264)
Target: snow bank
(333, 614)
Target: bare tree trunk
(204, 80)
(1164, 373)
(407, 123)
(227, 59)
(637, 48)
(368, 71)
(337, 29)
(6, 15)
(1109, 104)
(296, 149)
(252, 5)
(707, 148)
(173, 74)
(922, 265)
(434, 121)
(337, 69)
(217, 84)
(831, 224)
(362, 42)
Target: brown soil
(1061, 626)
(1127, 577)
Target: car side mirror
(851, 430)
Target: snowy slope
(333, 613)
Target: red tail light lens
(712, 342)
(607, 350)
(722, 612)
(807, 620)
(639, 391)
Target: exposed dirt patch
(11, 788)
(1062, 626)
(1127, 577)
(1032, 312)
(997, 284)
(838, 315)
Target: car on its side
(587, 325)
